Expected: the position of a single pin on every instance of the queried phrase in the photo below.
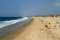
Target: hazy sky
(28, 7)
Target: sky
(19, 8)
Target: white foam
(6, 23)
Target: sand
(41, 28)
